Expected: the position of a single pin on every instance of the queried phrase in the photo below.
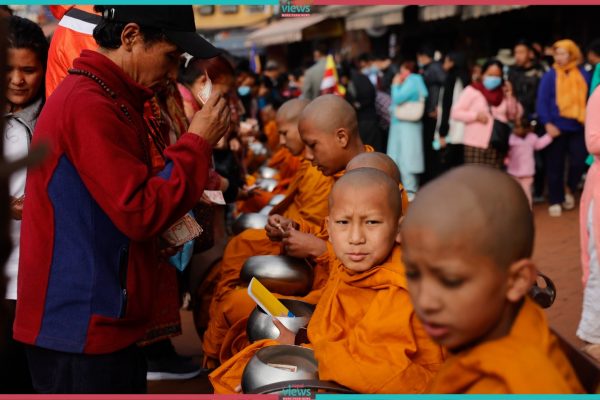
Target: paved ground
(556, 254)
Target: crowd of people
(147, 124)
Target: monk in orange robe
(236, 339)
(287, 166)
(469, 271)
(364, 330)
(329, 129)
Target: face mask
(491, 82)
(244, 90)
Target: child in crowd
(469, 286)
(523, 143)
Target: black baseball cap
(176, 22)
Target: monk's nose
(427, 300)
(308, 154)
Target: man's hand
(212, 122)
(302, 245)
(285, 335)
(16, 207)
(277, 226)
(552, 130)
(169, 252)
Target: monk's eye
(451, 282)
(412, 274)
(341, 222)
(373, 222)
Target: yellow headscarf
(571, 87)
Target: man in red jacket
(93, 211)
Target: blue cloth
(183, 257)
(546, 106)
(405, 142)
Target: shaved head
(369, 180)
(481, 208)
(330, 113)
(329, 129)
(292, 109)
(378, 161)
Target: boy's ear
(342, 137)
(398, 233)
(521, 276)
(327, 222)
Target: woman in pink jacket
(589, 228)
(478, 105)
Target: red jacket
(93, 213)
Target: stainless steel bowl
(261, 326)
(278, 198)
(267, 172)
(260, 372)
(267, 185)
(249, 221)
(266, 210)
(285, 275)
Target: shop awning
(434, 13)
(375, 17)
(483, 11)
(234, 42)
(286, 30)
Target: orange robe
(272, 134)
(527, 360)
(364, 332)
(288, 165)
(306, 200)
(240, 305)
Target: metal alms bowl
(291, 363)
(288, 276)
(278, 198)
(249, 221)
(267, 172)
(267, 185)
(266, 210)
(260, 325)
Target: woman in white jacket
(26, 66)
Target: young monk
(469, 269)
(236, 339)
(338, 142)
(364, 331)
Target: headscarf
(571, 87)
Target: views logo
(295, 8)
(296, 393)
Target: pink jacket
(591, 190)
(470, 103)
(521, 159)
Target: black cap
(177, 23)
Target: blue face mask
(491, 82)
(244, 90)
